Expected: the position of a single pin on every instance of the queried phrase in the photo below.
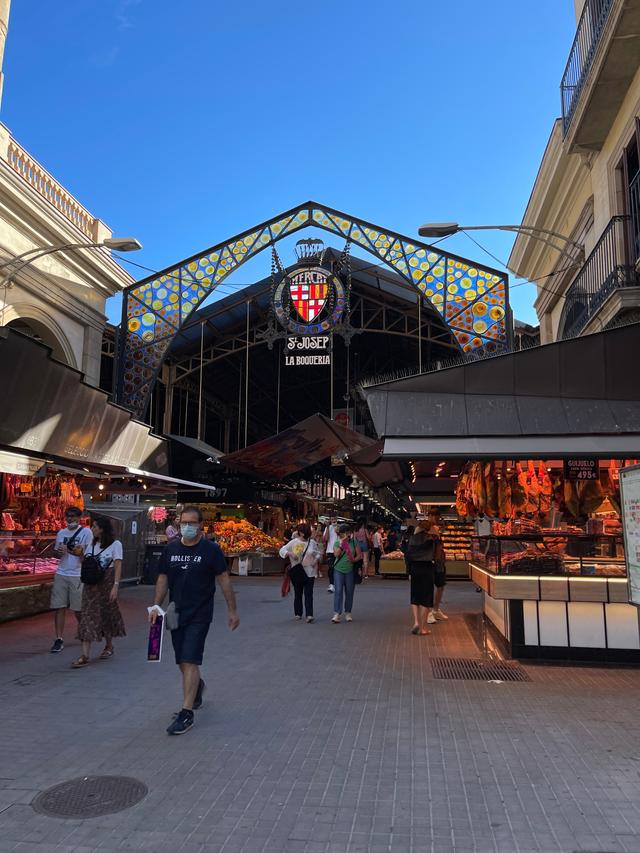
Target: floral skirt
(100, 617)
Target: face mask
(73, 524)
(189, 531)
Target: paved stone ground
(320, 739)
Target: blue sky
(185, 123)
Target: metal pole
(246, 385)
(200, 388)
(419, 333)
(331, 369)
(278, 395)
(239, 404)
(186, 411)
(348, 394)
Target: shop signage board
(630, 500)
(307, 350)
(581, 470)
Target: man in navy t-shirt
(188, 570)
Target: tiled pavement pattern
(318, 738)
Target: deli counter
(558, 595)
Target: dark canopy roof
(576, 396)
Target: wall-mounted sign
(309, 301)
(630, 505)
(579, 470)
(306, 350)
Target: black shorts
(188, 642)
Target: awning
(195, 444)
(370, 465)
(567, 398)
(50, 410)
(307, 443)
(137, 472)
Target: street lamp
(120, 244)
(446, 229)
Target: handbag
(297, 572)
(172, 617)
(91, 572)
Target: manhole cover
(90, 796)
(467, 669)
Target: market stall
(533, 444)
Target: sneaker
(58, 646)
(431, 618)
(331, 588)
(440, 616)
(349, 617)
(297, 618)
(182, 723)
(336, 618)
(309, 619)
(197, 702)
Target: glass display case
(25, 554)
(550, 553)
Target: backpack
(91, 572)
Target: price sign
(579, 470)
(630, 493)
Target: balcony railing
(594, 17)
(47, 186)
(606, 269)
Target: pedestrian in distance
(330, 538)
(304, 556)
(66, 592)
(424, 552)
(363, 540)
(439, 580)
(345, 567)
(188, 570)
(171, 530)
(100, 618)
(376, 541)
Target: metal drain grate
(91, 796)
(467, 669)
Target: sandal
(425, 632)
(106, 653)
(83, 660)
(415, 630)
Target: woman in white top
(304, 555)
(100, 618)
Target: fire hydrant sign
(307, 350)
(630, 497)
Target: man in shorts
(67, 587)
(188, 570)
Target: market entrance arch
(471, 298)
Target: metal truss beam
(472, 299)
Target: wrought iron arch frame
(472, 299)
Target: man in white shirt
(330, 539)
(71, 543)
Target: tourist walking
(439, 580)
(330, 539)
(188, 570)
(347, 553)
(376, 541)
(364, 544)
(100, 618)
(66, 591)
(304, 555)
(424, 551)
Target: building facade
(59, 298)
(588, 185)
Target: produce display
(456, 538)
(237, 537)
(394, 555)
